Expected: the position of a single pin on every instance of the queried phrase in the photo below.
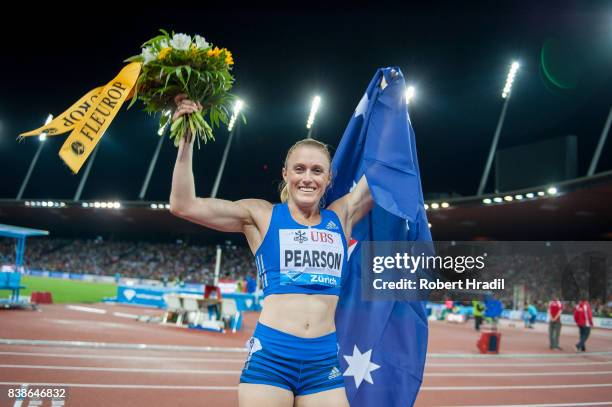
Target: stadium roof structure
(578, 210)
(20, 234)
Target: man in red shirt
(554, 323)
(583, 315)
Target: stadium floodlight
(27, 203)
(426, 207)
(167, 206)
(85, 205)
(435, 205)
(117, 205)
(530, 195)
(232, 128)
(429, 225)
(237, 108)
(153, 206)
(161, 129)
(62, 204)
(518, 197)
(600, 145)
(103, 205)
(410, 91)
(510, 79)
(500, 123)
(498, 199)
(85, 176)
(26, 179)
(43, 135)
(487, 201)
(552, 191)
(444, 205)
(508, 198)
(160, 132)
(97, 205)
(44, 204)
(314, 108)
(541, 193)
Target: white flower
(163, 44)
(148, 55)
(200, 42)
(180, 42)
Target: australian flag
(383, 344)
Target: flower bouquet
(179, 64)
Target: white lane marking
(536, 387)
(110, 345)
(143, 346)
(594, 403)
(124, 315)
(517, 374)
(126, 386)
(122, 369)
(119, 357)
(514, 364)
(241, 360)
(86, 309)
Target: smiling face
(307, 174)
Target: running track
(96, 352)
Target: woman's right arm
(218, 214)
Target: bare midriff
(303, 315)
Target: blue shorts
(300, 365)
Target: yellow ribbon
(90, 116)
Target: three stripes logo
(335, 372)
(331, 225)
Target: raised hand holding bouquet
(170, 67)
(179, 65)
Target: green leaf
(178, 72)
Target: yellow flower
(228, 57)
(213, 52)
(164, 53)
(193, 50)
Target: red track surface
(525, 373)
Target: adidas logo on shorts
(331, 225)
(335, 372)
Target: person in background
(251, 283)
(583, 315)
(555, 308)
(478, 310)
(240, 285)
(530, 315)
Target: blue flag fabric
(382, 344)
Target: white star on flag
(362, 106)
(360, 367)
(353, 186)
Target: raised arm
(352, 207)
(247, 215)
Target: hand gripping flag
(382, 344)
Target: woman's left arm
(352, 207)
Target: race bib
(310, 257)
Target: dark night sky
(457, 56)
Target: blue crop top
(298, 259)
